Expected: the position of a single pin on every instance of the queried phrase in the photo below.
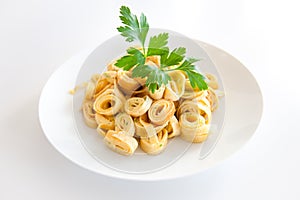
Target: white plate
(243, 113)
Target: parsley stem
(169, 70)
(144, 52)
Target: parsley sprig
(135, 29)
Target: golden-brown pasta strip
(101, 87)
(191, 93)
(212, 81)
(111, 67)
(107, 104)
(173, 127)
(155, 144)
(175, 88)
(137, 106)
(155, 60)
(213, 99)
(187, 106)
(110, 76)
(193, 127)
(125, 123)
(107, 119)
(204, 109)
(120, 142)
(161, 111)
(140, 93)
(158, 94)
(89, 114)
(90, 90)
(95, 78)
(126, 83)
(105, 123)
(143, 126)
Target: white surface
(38, 36)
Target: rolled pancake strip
(155, 144)
(120, 142)
(89, 114)
(125, 123)
(137, 106)
(158, 94)
(213, 99)
(175, 88)
(107, 104)
(90, 90)
(126, 83)
(143, 128)
(193, 127)
(161, 111)
(173, 127)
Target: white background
(36, 37)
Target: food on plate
(150, 95)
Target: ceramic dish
(243, 112)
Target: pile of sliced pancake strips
(128, 115)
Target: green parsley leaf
(197, 80)
(152, 87)
(133, 58)
(133, 29)
(144, 28)
(192, 60)
(174, 58)
(126, 62)
(155, 76)
(187, 64)
(142, 71)
(158, 45)
(137, 54)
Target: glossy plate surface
(243, 112)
